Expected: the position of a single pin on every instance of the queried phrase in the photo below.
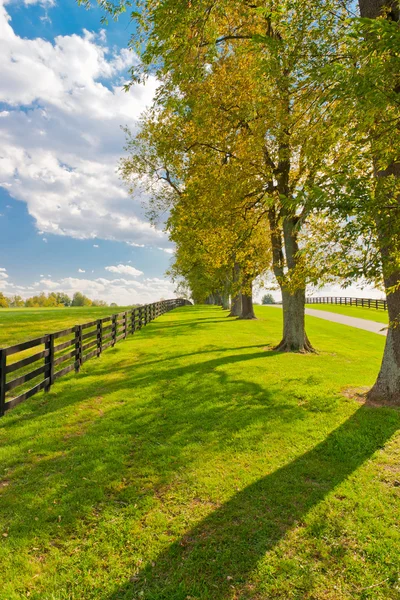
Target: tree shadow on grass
(219, 554)
(64, 468)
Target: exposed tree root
(287, 346)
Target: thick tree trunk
(247, 307)
(371, 9)
(387, 386)
(294, 334)
(236, 306)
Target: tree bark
(387, 386)
(294, 337)
(294, 333)
(236, 304)
(387, 221)
(371, 9)
(247, 299)
(247, 307)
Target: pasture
(20, 324)
(192, 461)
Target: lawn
(193, 462)
(381, 316)
(20, 324)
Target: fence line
(95, 341)
(345, 301)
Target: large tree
(382, 102)
(272, 120)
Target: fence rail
(87, 341)
(345, 301)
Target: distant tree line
(53, 299)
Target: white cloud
(168, 250)
(121, 291)
(124, 270)
(81, 271)
(95, 245)
(61, 135)
(3, 274)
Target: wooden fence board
(120, 326)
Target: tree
(99, 303)
(386, 208)
(268, 299)
(80, 299)
(16, 301)
(4, 302)
(242, 75)
(63, 299)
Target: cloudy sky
(66, 221)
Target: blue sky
(66, 220)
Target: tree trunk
(387, 386)
(293, 301)
(294, 334)
(236, 306)
(247, 307)
(371, 9)
(225, 301)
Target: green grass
(19, 324)
(193, 462)
(371, 314)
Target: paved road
(345, 320)
(365, 324)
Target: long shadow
(222, 550)
(79, 458)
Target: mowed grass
(371, 314)
(193, 462)
(20, 324)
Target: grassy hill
(193, 462)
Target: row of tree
(53, 299)
(273, 145)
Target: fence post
(113, 330)
(3, 365)
(49, 362)
(133, 321)
(78, 348)
(125, 325)
(99, 337)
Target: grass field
(20, 324)
(371, 314)
(193, 462)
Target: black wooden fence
(364, 302)
(89, 340)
